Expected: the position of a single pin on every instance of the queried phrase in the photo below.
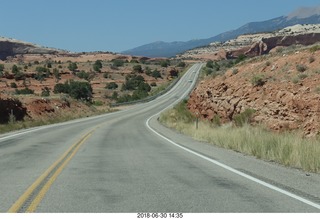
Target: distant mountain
(164, 49)
(169, 49)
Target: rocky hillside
(12, 47)
(257, 44)
(283, 88)
(42, 82)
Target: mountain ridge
(169, 49)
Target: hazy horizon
(115, 26)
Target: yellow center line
(59, 165)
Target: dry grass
(29, 123)
(288, 149)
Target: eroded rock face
(258, 44)
(281, 103)
(266, 45)
(12, 47)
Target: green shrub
(13, 85)
(212, 65)
(165, 63)
(98, 103)
(139, 94)
(1, 67)
(83, 75)
(240, 58)
(311, 59)
(209, 64)
(97, 66)
(111, 86)
(115, 95)
(216, 120)
(118, 62)
(61, 88)
(80, 90)
(41, 69)
(235, 71)
(19, 76)
(244, 117)
(25, 91)
(45, 92)
(181, 64)
(15, 69)
(11, 109)
(295, 80)
(76, 89)
(302, 76)
(301, 68)
(144, 87)
(56, 74)
(137, 68)
(132, 82)
(106, 75)
(315, 48)
(148, 71)
(156, 74)
(134, 61)
(258, 80)
(183, 113)
(73, 66)
(208, 71)
(268, 63)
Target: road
(127, 162)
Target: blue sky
(117, 25)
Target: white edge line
(315, 205)
(73, 121)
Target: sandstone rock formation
(287, 100)
(265, 45)
(258, 44)
(11, 47)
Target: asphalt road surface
(127, 162)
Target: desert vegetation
(90, 81)
(266, 106)
(288, 148)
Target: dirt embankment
(284, 89)
(32, 108)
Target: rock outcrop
(286, 100)
(266, 45)
(258, 44)
(11, 47)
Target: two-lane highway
(126, 162)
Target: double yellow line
(29, 201)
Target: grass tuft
(288, 149)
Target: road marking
(35, 193)
(313, 204)
(29, 201)
(301, 199)
(39, 128)
(34, 129)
